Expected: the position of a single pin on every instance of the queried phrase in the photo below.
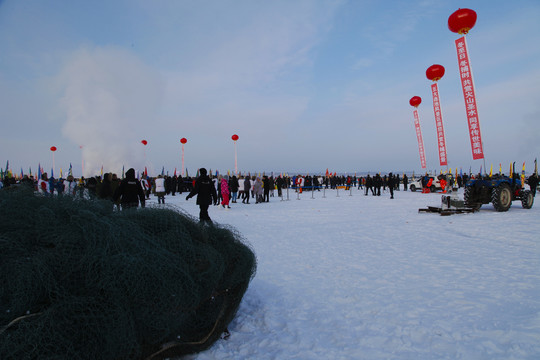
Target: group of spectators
(132, 192)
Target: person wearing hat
(130, 192)
(206, 194)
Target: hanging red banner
(420, 140)
(465, 74)
(441, 141)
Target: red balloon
(53, 148)
(144, 142)
(435, 72)
(461, 21)
(415, 101)
(234, 137)
(183, 140)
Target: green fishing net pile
(81, 281)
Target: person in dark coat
(377, 184)
(206, 194)
(266, 189)
(233, 188)
(405, 182)
(391, 182)
(247, 190)
(129, 192)
(106, 190)
(369, 185)
(279, 183)
(533, 183)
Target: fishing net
(79, 280)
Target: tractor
(500, 190)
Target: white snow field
(364, 277)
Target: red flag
(441, 141)
(420, 139)
(327, 172)
(467, 84)
(145, 172)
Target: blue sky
(307, 85)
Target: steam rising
(111, 99)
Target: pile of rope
(79, 280)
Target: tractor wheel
(501, 197)
(413, 188)
(527, 199)
(432, 188)
(468, 199)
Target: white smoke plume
(110, 100)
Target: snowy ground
(363, 277)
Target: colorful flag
(523, 175)
(511, 172)
(163, 171)
(491, 171)
(419, 139)
(500, 168)
(471, 108)
(52, 173)
(70, 172)
(39, 171)
(441, 141)
(61, 175)
(535, 168)
(122, 172)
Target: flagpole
(182, 160)
(235, 160)
(82, 161)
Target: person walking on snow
(391, 183)
(247, 190)
(160, 189)
(225, 193)
(258, 190)
(206, 194)
(130, 192)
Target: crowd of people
(223, 190)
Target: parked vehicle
(499, 190)
(435, 184)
